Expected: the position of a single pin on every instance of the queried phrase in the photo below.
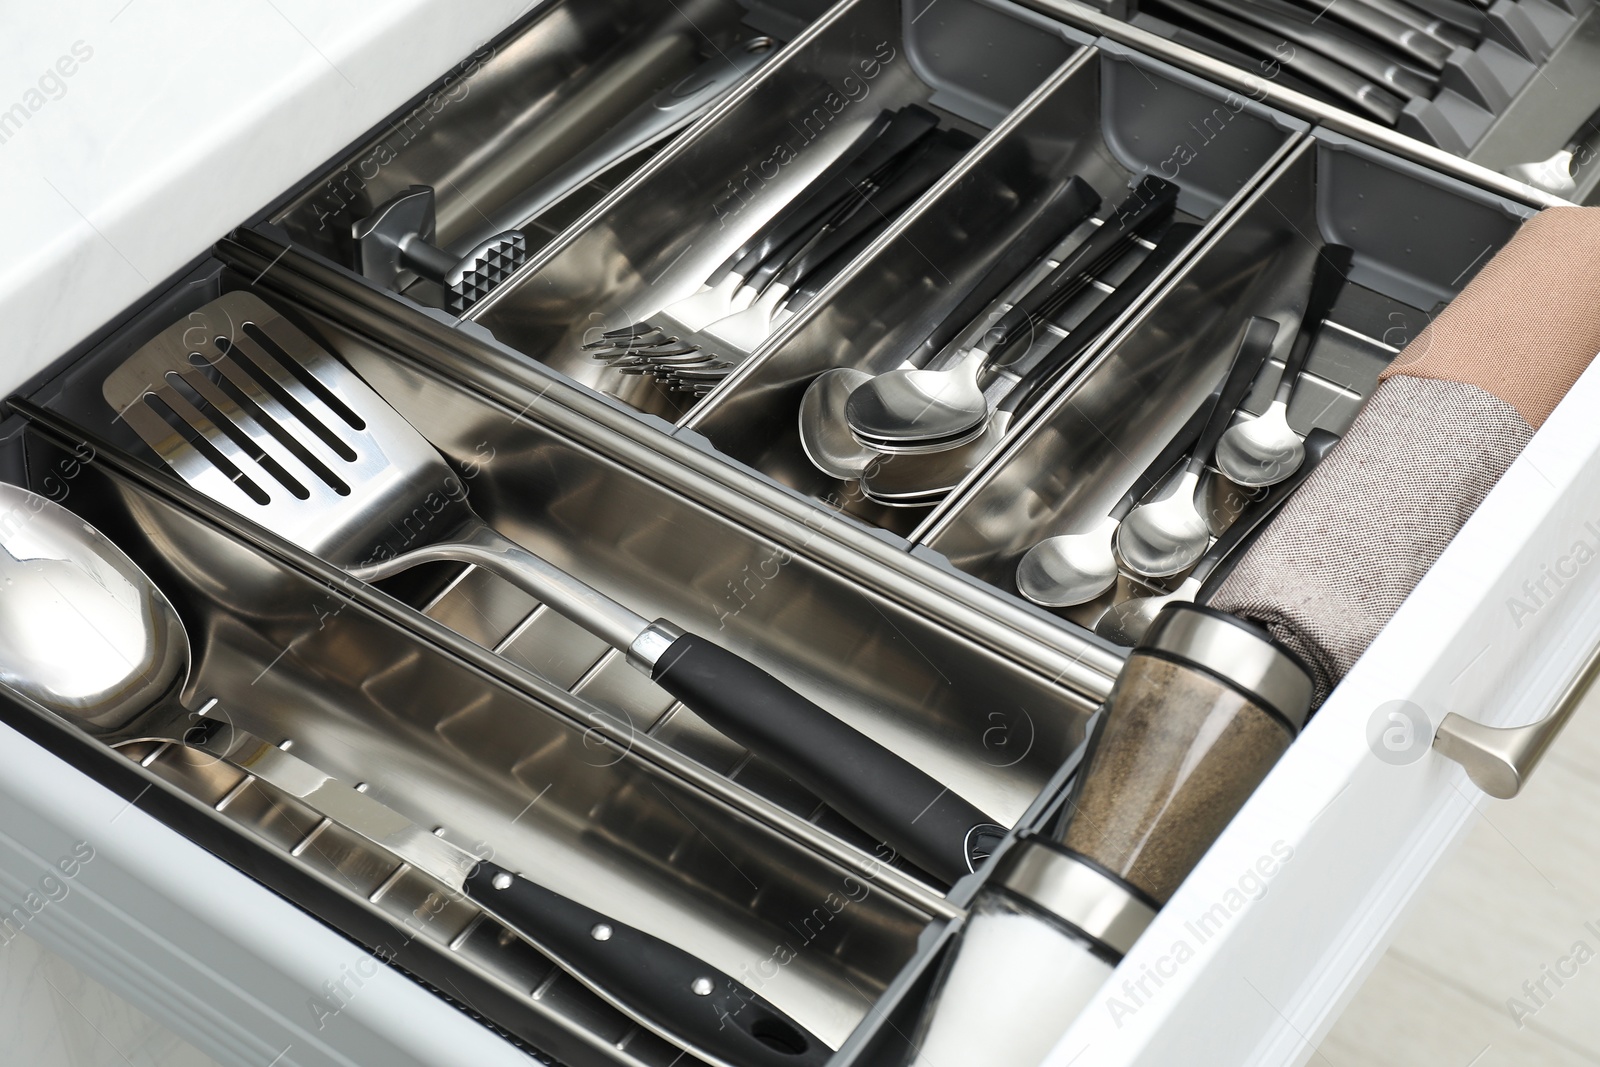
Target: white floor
(1520, 902)
(54, 1015)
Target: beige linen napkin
(1449, 415)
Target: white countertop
(135, 133)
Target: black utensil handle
(884, 206)
(884, 794)
(1463, 16)
(1225, 553)
(1328, 277)
(1255, 345)
(889, 134)
(677, 991)
(932, 329)
(834, 199)
(1152, 202)
(1042, 375)
(1370, 99)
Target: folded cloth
(1449, 416)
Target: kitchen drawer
(464, 703)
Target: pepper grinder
(1203, 708)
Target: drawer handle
(1500, 759)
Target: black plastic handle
(1220, 559)
(1043, 374)
(1152, 202)
(1366, 97)
(886, 137)
(1430, 28)
(1328, 276)
(1468, 20)
(707, 1010)
(1176, 449)
(883, 206)
(1255, 345)
(882, 793)
(927, 333)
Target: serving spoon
(1265, 450)
(86, 635)
(1167, 535)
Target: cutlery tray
(465, 704)
(1418, 238)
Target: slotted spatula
(253, 413)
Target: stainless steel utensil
(1126, 623)
(1074, 568)
(1555, 175)
(916, 405)
(918, 480)
(1167, 535)
(663, 115)
(85, 634)
(397, 238)
(253, 413)
(1264, 449)
(825, 437)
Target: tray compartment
(969, 61)
(1418, 238)
(509, 114)
(989, 728)
(1109, 119)
(288, 657)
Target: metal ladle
(1265, 450)
(1167, 535)
(85, 634)
(1126, 623)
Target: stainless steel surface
(1076, 893)
(1230, 650)
(1098, 118)
(668, 112)
(442, 744)
(669, 227)
(1067, 469)
(1072, 568)
(881, 569)
(514, 112)
(1500, 759)
(394, 243)
(289, 438)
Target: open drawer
(466, 704)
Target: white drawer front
(1256, 953)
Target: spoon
(921, 479)
(1070, 569)
(921, 405)
(1126, 623)
(1264, 450)
(85, 634)
(1554, 175)
(824, 437)
(1167, 535)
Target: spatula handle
(878, 790)
(711, 1011)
